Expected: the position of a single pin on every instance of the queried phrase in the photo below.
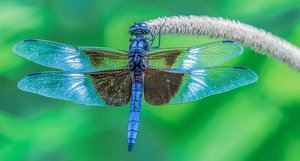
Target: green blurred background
(257, 122)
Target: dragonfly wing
(71, 58)
(103, 88)
(177, 86)
(206, 55)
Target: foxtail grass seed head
(248, 36)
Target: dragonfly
(103, 76)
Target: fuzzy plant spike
(248, 36)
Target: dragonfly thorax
(137, 50)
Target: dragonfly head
(139, 28)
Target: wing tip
(241, 48)
(22, 84)
(14, 48)
(19, 44)
(255, 76)
(238, 47)
(233, 42)
(252, 73)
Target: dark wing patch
(164, 59)
(113, 87)
(97, 57)
(160, 86)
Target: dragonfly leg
(156, 47)
(152, 39)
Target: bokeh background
(257, 122)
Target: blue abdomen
(135, 111)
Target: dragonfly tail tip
(130, 146)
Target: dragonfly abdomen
(135, 110)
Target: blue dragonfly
(102, 76)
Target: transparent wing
(105, 88)
(206, 55)
(177, 86)
(71, 58)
